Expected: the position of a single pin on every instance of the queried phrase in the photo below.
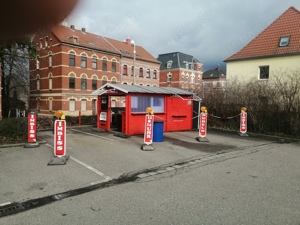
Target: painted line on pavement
(107, 178)
(94, 135)
(4, 204)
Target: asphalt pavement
(100, 157)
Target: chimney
(128, 41)
(72, 27)
(83, 29)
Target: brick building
(72, 63)
(181, 71)
(213, 82)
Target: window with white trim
(140, 103)
(83, 105)
(72, 105)
(264, 72)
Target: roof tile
(266, 44)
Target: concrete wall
(248, 69)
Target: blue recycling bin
(158, 131)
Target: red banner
(31, 127)
(203, 125)
(148, 134)
(243, 123)
(60, 138)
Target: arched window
(141, 72)
(71, 58)
(114, 66)
(94, 82)
(104, 80)
(113, 80)
(169, 77)
(37, 62)
(94, 63)
(72, 81)
(50, 104)
(83, 60)
(83, 82)
(50, 59)
(125, 72)
(50, 76)
(104, 64)
(37, 82)
(148, 73)
(154, 74)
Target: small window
(38, 82)
(83, 83)
(104, 64)
(37, 63)
(72, 105)
(169, 77)
(50, 59)
(94, 63)
(83, 105)
(141, 72)
(148, 73)
(192, 79)
(50, 81)
(182, 77)
(284, 41)
(154, 74)
(72, 59)
(264, 72)
(94, 83)
(113, 80)
(75, 40)
(114, 66)
(72, 82)
(125, 70)
(169, 64)
(104, 80)
(83, 61)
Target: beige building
(275, 50)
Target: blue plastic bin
(158, 131)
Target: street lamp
(134, 52)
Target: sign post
(60, 143)
(148, 130)
(148, 133)
(243, 122)
(60, 138)
(202, 125)
(32, 133)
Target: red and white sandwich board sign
(148, 134)
(243, 123)
(60, 138)
(203, 125)
(32, 120)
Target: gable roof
(86, 39)
(127, 49)
(178, 59)
(94, 41)
(215, 73)
(266, 44)
(141, 89)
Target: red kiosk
(173, 106)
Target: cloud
(211, 31)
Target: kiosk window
(140, 103)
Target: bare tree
(14, 57)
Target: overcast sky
(210, 30)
